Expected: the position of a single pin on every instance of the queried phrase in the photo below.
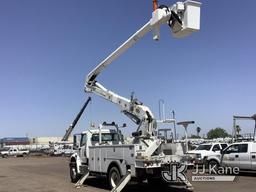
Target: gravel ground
(51, 174)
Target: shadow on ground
(133, 186)
(248, 174)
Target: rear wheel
(74, 175)
(114, 177)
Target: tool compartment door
(122, 155)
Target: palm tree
(198, 130)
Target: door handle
(236, 156)
(253, 156)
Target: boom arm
(73, 124)
(178, 17)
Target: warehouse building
(47, 140)
(7, 141)
(14, 141)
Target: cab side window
(243, 148)
(223, 146)
(216, 148)
(232, 149)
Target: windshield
(105, 137)
(204, 147)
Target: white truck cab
(242, 155)
(204, 151)
(92, 138)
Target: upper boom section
(183, 19)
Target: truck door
(253, 156)
(83, 147)
(231, 156)
(244, 157)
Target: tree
(194, 137)
(217, 133)
(198, 130)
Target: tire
(212, 163)
(74, 175)
(114, 177)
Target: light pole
(174, 125)
(185, 125)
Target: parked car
(10, 151)
(242, 155)
(203, 151)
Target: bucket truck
(101, 151)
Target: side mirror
(74, 147)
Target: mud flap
(80, 182)
(123, 182)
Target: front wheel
(213, 164)
(74, 175)
(114, 177)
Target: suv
(204, 151)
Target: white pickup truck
(242, 155)
(204, 153)
(10, 151)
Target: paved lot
(47, 174)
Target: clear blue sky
(47, 47)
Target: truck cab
(204, 151)
(79, 161)
(92, 138)
(242, 155)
